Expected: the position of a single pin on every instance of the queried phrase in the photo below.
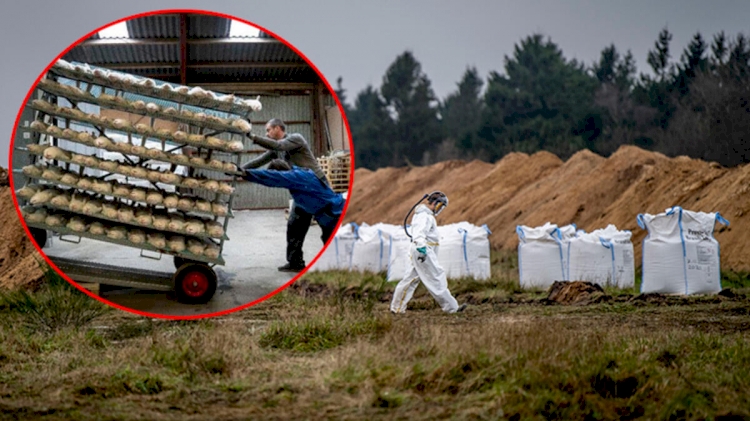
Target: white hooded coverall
(432, 275)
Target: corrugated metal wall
(295, 109)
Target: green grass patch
(57, 305)
(321, 332)
(735, 280)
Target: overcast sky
(357, 40)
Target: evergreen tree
(658, 58)
(542, 102)
(462, 110)
(341, 93)
(371, 130)
(413, 109)
(605, 68)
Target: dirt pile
(19, 260)
(575, 293)
(588, 190)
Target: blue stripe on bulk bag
(608, 244)
(725, 222)
(356, 229)
(466, 258)
(642, 224)
(390, 251)
(520, 233)
(486, 228)
(639, 220)
(721, 219)
(380, 262)
(558, 240)
(567, 275)
(520, 266)
(682, 239)
(521, 238)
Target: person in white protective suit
(423, 260)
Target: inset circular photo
(181, 164)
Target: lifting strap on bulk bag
(608, 244)
(463, 246)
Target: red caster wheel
(194, 283)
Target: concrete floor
(256, 247)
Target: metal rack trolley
(195, 280)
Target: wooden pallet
(337, 170)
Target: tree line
(696, 105)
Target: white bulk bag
(565, 234)
(540, 256)
(476, 248)
(450, 252)
(338, 255)
(371, 249)
(464, 250)
(680, 254)
(398, 262)
(604, 257)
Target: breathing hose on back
(410, 211)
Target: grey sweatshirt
(292, 148)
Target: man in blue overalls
(294, 149)
(310, 194)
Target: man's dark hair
(276, 122)
(279, 165)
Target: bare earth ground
(328, 348)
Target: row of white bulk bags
(550, 253)
(680, 253)
(542, 254)
(464, 250)
(604, 257)
(338, 255)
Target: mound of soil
(19, 260)
(575, 293)
(588, 190)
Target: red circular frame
(164, 316)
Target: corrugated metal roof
(207, 28)
(168, 26)
(261, 52)
(155, 26)
(113, 54)
(247, 74)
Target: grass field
(328, 348)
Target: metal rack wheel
(179, 261)
(39, 235)
(194, 283)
